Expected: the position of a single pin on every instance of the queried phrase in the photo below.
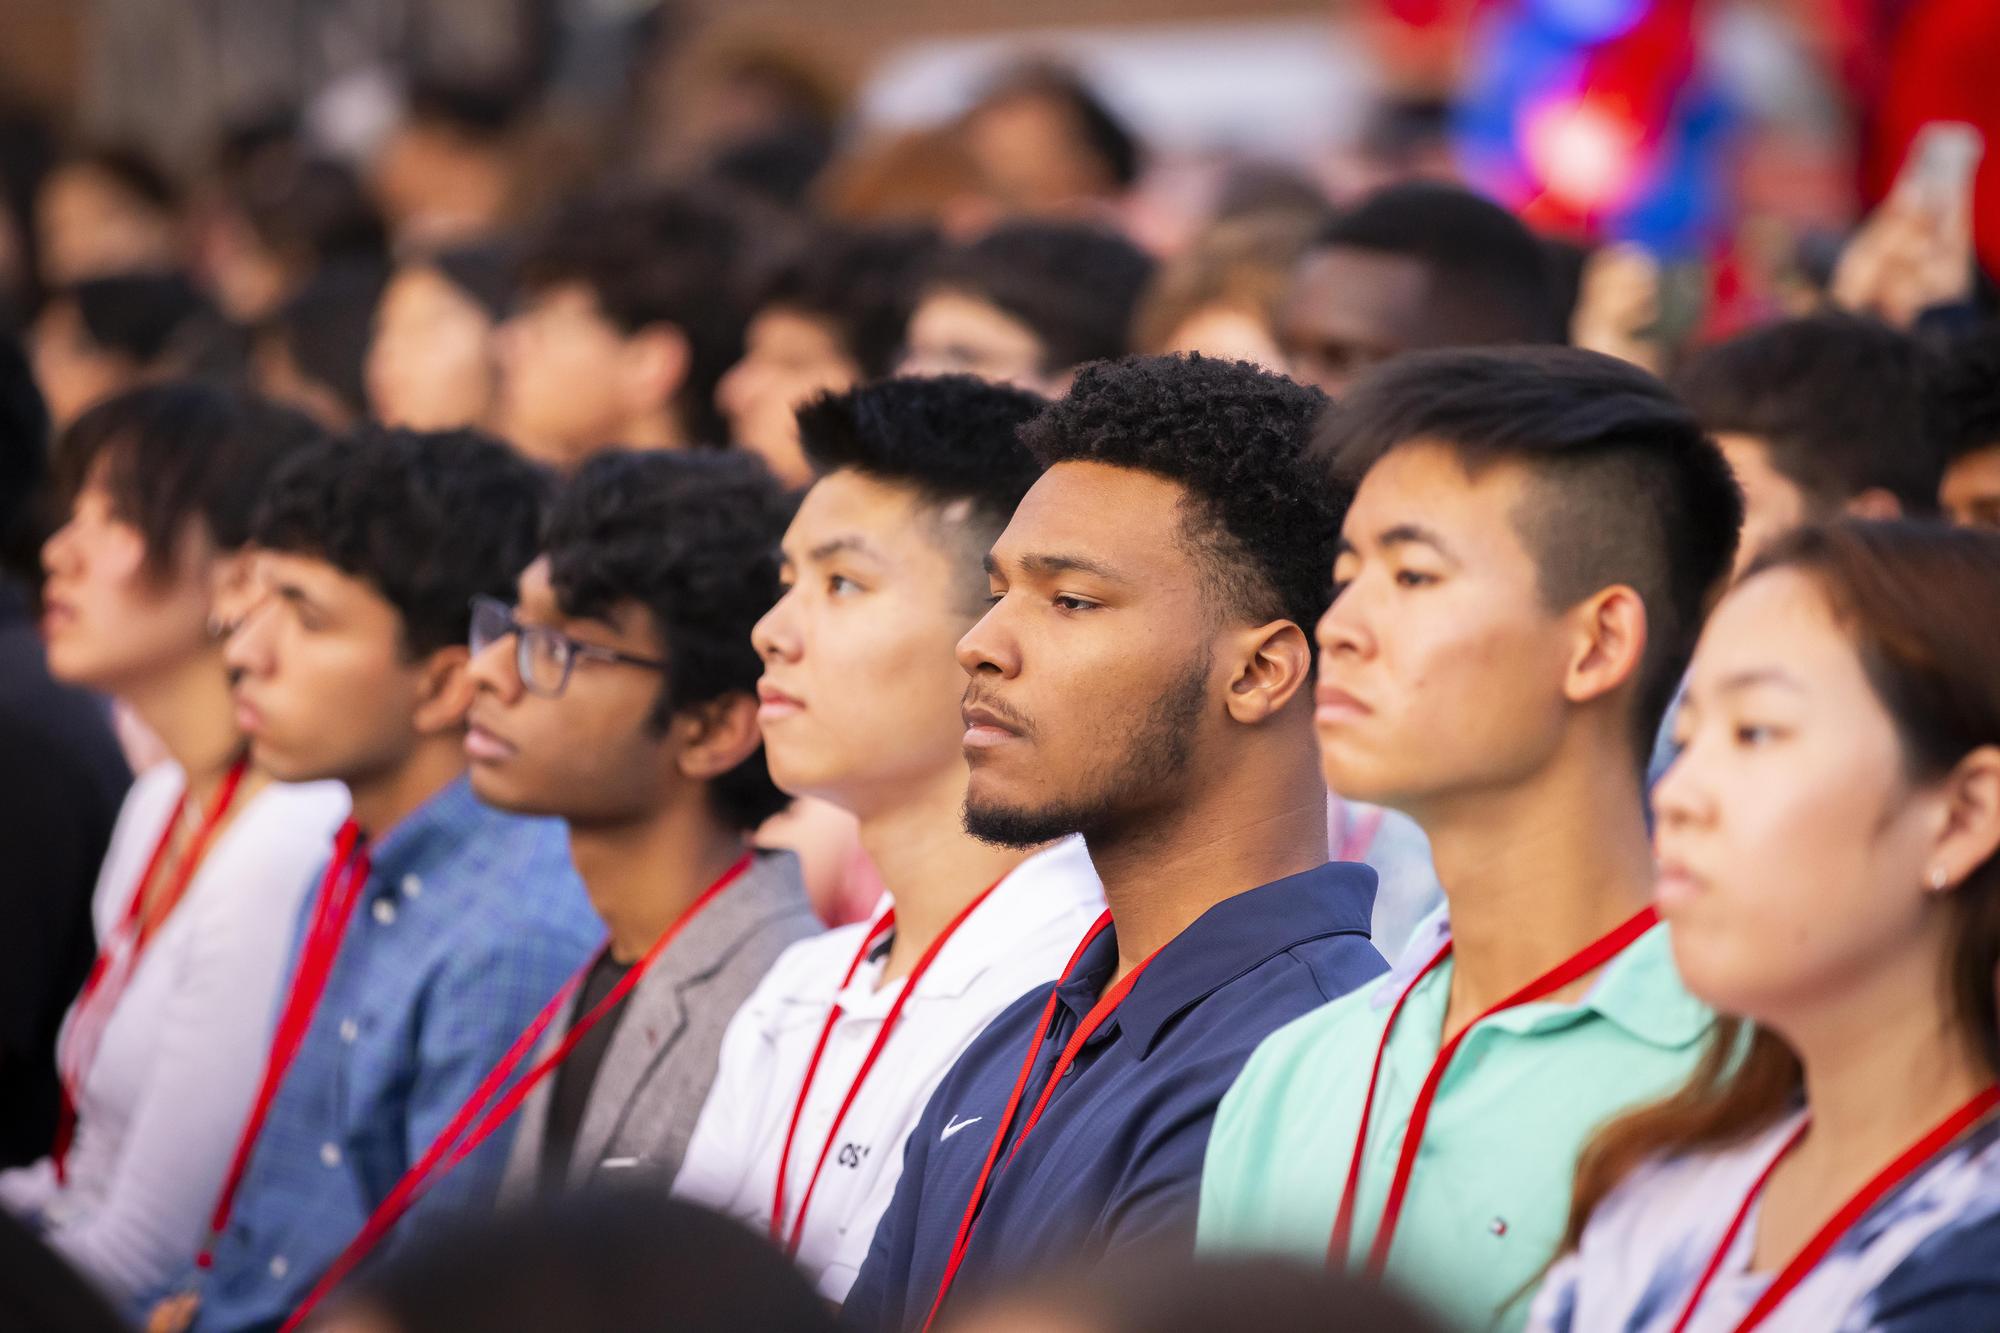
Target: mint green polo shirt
(1489, 1196)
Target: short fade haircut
(1074, 285)
(674, 257)
(1490, 278)
(691, 538)
(429, 519)
(173, 455)
(1968, 394)
(950, 439)
(862, 281)
(1624, 486)
(1237, 439)
(1841, 405)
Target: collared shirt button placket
(385, 912)
(279, 1267)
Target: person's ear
(656, 361)
(1273, 663)
(716, 736)
(1969, 832)
(1610, 644)
(445, 690)
(1874, 503)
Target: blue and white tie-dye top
(1925, 1259)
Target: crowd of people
(863, 748)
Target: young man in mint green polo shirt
(1534, 540)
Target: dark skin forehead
(1368, 300)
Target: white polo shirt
(1019, 938)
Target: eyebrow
(1046, 566)
(1406, 534)
(294, 594)
(1744, 680)
(851, 543)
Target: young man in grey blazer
(619, 694)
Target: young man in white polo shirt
(829, 1065)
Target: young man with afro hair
(1142, 677)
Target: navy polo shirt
(1116, 1158)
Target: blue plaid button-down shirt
(470, 920)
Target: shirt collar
(1227, 941)
(1640, 990)
(436, 827)
(1046, 885)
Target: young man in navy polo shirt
(1143, 677)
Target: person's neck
(1244, 826)
(1883, 1064)
(386, 799)
(657, 430)
(643, 875)
(191, 710)
(931, 866)
(1535, 872)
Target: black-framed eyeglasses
(544, 657)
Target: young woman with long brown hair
(1829, 874)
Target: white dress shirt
(181, 1055)
(1019, 938)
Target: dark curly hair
(1626, 488)
(1073, 284)
(949, 438)
(430, 519)
(676, 257)
(168, 455)
(1841, 404)
(693, 539)
(1236, 438)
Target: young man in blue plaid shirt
(353, 666)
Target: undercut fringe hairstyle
(949, 438)
(175, 456)
(429, 519)
(1842, 405)
(1917, 600)
(1237, 439)
(1625, 489)
(693, 539)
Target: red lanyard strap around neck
(789, 1239)
(346, 873)
(111, 971)
(1102, 1010)
(481, 1114)
(1572, 969)
(1913, 1160)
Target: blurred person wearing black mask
(105, 335)
(59, 795)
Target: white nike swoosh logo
(956, 1125)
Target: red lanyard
(1913, 1160)
(1101, 1011)
(111, 971)
(790, 1242)
(1578, 965)
(346, 873)
(481, 1114)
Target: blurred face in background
(90, 225)
(572, 382)
(112, 622)
(789, 358)
(1230, 332)
(1970, 495)
(1350, 309)
(956, 333)
(431, 362)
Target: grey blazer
(657, 1071)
